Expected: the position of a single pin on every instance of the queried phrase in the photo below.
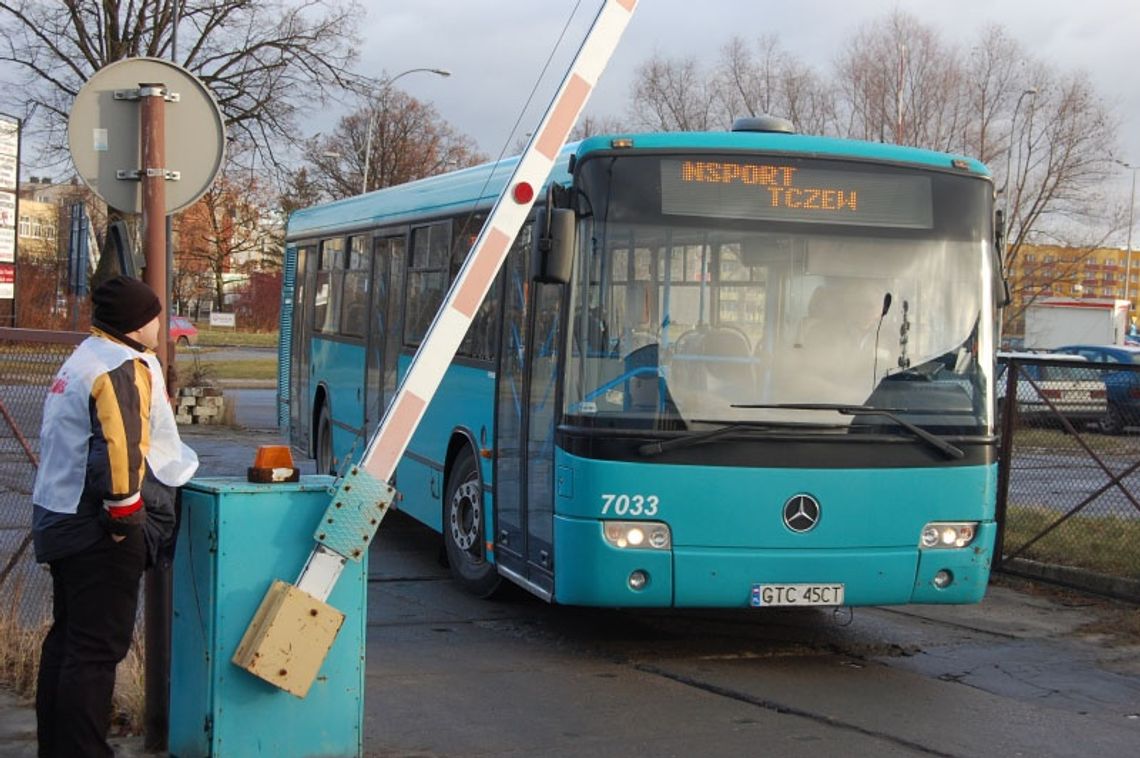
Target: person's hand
(123, 516)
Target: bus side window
(327, 287)
(427, 278)
(354, 310)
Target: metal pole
(153, 115)
(158, 584)
(1007, 425)
(1008, 163)
(156, 613)
(1128, 252)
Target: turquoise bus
(741, 369)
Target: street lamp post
(1128, 245)
(1032, 91)
(387, 85)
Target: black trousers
(95, 599)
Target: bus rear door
(300, 360)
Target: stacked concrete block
(199, 405)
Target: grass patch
(19, 645)
(215, 337)
(256, 368)
(20, 662)
(1042, 438)
(1104, 544)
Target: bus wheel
(463, 528)
(324, 442)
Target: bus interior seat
(722, 353)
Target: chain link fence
(29, 359)
(1069, 476)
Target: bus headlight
(651, 535)
(947, 535)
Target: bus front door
(524, 468)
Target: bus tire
(463, 528)
(323, 444)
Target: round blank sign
(104, 135)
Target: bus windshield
(709, 284)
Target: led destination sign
(798, 193)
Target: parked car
(1123, 386)
(1076, 391)
(183, 331)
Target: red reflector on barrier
(523, 193)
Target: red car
(183, 331)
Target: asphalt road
(448, 674)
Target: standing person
(103, 505)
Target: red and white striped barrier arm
(462, 302)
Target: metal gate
(1069, 470)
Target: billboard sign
(7, 281)
(9, 209)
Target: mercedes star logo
(801, 513)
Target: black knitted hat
(124, 304)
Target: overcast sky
(496, 48)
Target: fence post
(1005, 456)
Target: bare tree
(589, 126)
(263, 59)
(301, 190)
(673, 95)
(899, 83)
(1060, 160)
(995, 75)
(409, 141)
(772, 82)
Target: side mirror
(1005, 296)
(553, 257)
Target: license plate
(767, 595)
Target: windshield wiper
(660, 446)
(657, 447)
(934, 441)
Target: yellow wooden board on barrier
(289, 637)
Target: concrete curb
(1115, 587)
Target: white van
(1062, 386)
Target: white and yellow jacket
(106, 419)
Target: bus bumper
(599, 574)
(590, 571)
(969, 568)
